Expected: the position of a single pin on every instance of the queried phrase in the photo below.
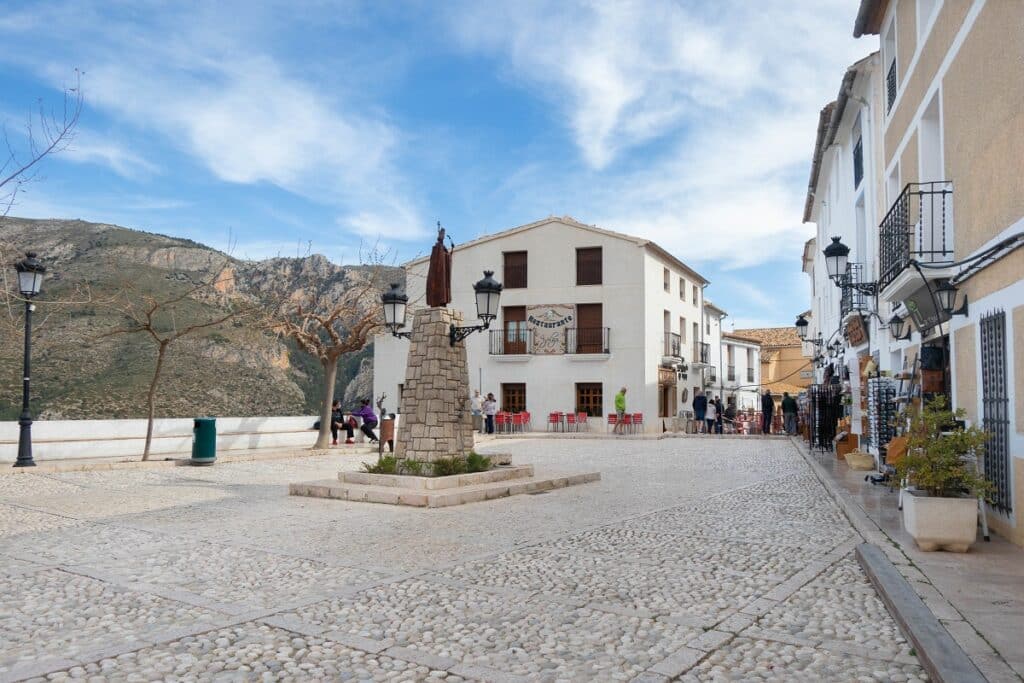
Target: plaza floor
(696, 559)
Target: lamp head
(30, 275)
(836, 255)
(488, 293)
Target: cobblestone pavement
(696, 559)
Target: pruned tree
(47, 132)
(157, 319)
(328, 319)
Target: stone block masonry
(436, 419)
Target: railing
(587, 340)
(852, 299)
(858, 162)
(890, 85)
(511, 341)
(701, 352)
(918, 227)
(750, 374)
(673, 346)
(730, 373)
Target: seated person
(338, 421)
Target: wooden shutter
(514, 274)
(515, 329)
(589, 329)
(588, 266)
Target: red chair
(527, 420)
(638, 422)
(627, 423)
(581, 421)
(518, 422)
(555, 422)
(501, 422)
(570, 422)
(613, 420)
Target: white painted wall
(633, 302)
(71, 439)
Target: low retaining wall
(71, 439)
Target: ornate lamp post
(801, 327)
(395, 305)
(488, 293)
(30, 281)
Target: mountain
(80, 370)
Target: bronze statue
(439, 276)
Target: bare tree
(156, 320)
(329, 321)
(46, 132)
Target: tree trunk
(330, 374)
(151, 399)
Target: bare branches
(46, 132)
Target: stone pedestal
(436, 419)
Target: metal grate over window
(858, 163)
(890, 85)
(995, 404)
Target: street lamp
(488, 293)
(30, 281)
(395, 305)
(899, 328)
(801, 327)
(835, 259)
(946, 294)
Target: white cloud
(89, 147)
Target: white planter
(941, 523)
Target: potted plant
(941, 510)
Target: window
(589, 334)
(589, 398)
(682, 330)
(588, 266)
(889, 50)
(666, 279)
(514, 274)
(516, 333)
(707, 324)
(682, 289)
(695, 301)
(513, 398)
(858, 162)
(995, 402)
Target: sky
(282, 127)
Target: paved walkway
(702, 559)
(978, 596)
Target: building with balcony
(927, 135)
(740, 374)
(784, 368)
(584, 311)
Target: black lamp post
(488, 293)
(395, 305)
(801, 327)
(835, 259)
(30, 281)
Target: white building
(740, 377)
(584, 312)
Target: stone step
(437, 483)
(393, 495)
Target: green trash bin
(204, 441)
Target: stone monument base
(435, 492)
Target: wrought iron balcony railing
(511, 341)
(919, 227)
(587, 340)
(853, 298)
(673, 346)
(712, 375)
(702, 352)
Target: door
(589, 329)
(515, 333)
(589, 398)
(513, 398)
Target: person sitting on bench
(369, 418)
(338, 421)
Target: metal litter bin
(204, 441)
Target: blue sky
(282, 126)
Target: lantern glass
(946, 294)
(897, 327)
(836, 255)
(30, 275)
(488, 293)
(801, 327)
(395, 304)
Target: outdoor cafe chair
(613, 420)
(555, 422)
(570, 422)
(638, 422)
(581, 421)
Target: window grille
(995, 408)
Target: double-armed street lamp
(30, 281)
(488, 293)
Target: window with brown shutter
(588, 266)
(513, 397)
(514, 274)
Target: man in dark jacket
(767, 409)
(789, 411)
(338, 422)
(700, 408)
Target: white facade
(740, 377)
(645, 297)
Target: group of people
(487, 407)
(364, 418)
(711, 415)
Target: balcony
(750, 374)
(587, 340)
(701, 354)
(918, 227)
(852, 299)
(511, 341)
(730, 373)
(712, 375)
(673, 346)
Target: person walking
(620, 411)
(711, 415)
(476, 407)
(700, 406)
(369, 419)
(730, 415)
(719, 415)
(789, 411)
(338, 421)
(490, 407)
(767, 410)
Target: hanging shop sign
(921, 306)
(548, 323)
(666, 377)
(856, 330)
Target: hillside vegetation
(78, 372)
